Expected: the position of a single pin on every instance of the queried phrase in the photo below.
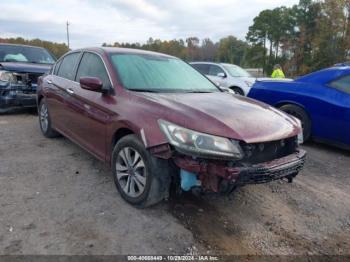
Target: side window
(202, 68)
(66, 69)
(214, 70)
(342, 84)
(57, 66)
(92, 65)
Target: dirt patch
(310, 216)
(57, 199)
(208, 225)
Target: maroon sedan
(157, 121)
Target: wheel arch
(40, 97)
(236, 86)
(287, 102)
(302, 107)
(120, 133)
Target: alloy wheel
(44, 117)
(131, 172)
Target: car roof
(325, 75)
(204, 62)
(119, 50)
(211, 63)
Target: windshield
(236, 71)
(26, 54)
(157, 73)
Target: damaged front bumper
(213, 174)
(15, 96)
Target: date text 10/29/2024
(173, 258)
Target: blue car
(321, 100)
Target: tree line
(228, 49)
(308, 36)
(303, 38)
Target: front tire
(45, 121)
(141, 179)
(237, 90)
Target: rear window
(342, 84)
(67, 67)
(202, 68)
(57, 66)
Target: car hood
(225, 115)
(25, 67)
(269, 79)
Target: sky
(93, 22)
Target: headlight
(300, 138)
(301, 133)
(200, 144)
(6, 76)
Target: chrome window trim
(75, 66)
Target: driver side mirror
(221, 74)
(91, 83)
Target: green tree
(330, 41)
(270, 30)
(231, 50)
(208, 50)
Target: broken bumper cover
(210, 172)
(273, 170)
(16, 97)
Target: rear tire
(45, 121)
(237, 90)
(299, 113)
(141, 179)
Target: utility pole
(68, 34)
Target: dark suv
(20, 67)
(156, 120)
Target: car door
(88, 114)
(330, 111)
(213, 74)
(58, 92)
(339, 95)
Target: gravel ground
(57, 199)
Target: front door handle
(70, 91)
(49, 81)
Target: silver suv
(227, 76)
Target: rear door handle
(49, 81)
(70, 91)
